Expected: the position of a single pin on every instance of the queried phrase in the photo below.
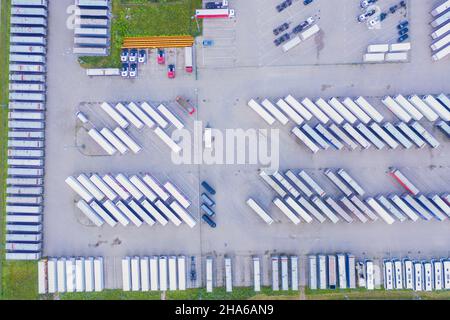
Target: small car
(282, 39)
(299, 28)
(209, 221)
(124, 54)
(281, 28)
(306, 2)
(208, 43)
(161, 56)
(214, 5)
(208, 188)
(171, 71)
(403, 31)
(133, 70)
(402, 24)
(283, 5)
(403, 38)
(374, 21)
(366, 3)
(393, 9)
(366, 15)
(124, 70)
(302, 26)
(133, 55)
(142, 57)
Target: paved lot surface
(247, 67)
(247, 40)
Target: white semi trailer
(286, 210)
(396, 109)
(306, 140)
(342, 110)
(263, 113)
(102, 142)
(259, 211)
(409, 108)
(114, 115)
(369, 109)
(297, 106)
(443, 113)
(275, 112)
(79, 189)
(356, 110)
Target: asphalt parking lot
(248, 39)
(248, 66)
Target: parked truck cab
(161, 56)
(209, 221)
(208, 188)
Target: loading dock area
(244, 65)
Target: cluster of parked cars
(130, 59)
(285, 26)
(208, 204)
(288, 3)
(297, 29)
(371, 12)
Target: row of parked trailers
(92, 27)
(27, 95)
(137, 199)
(228, 280)
(154, 273)
(301, 199)
(415, 108)
(168, 273)
(353, 123)
(284, 273)
(331, 271)
(81, 274)
(396, 52)
(416, 275)
(385, 137)
(441, 31)
(139, 115)
(352, 111)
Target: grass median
(239, 293)
(363, 294)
